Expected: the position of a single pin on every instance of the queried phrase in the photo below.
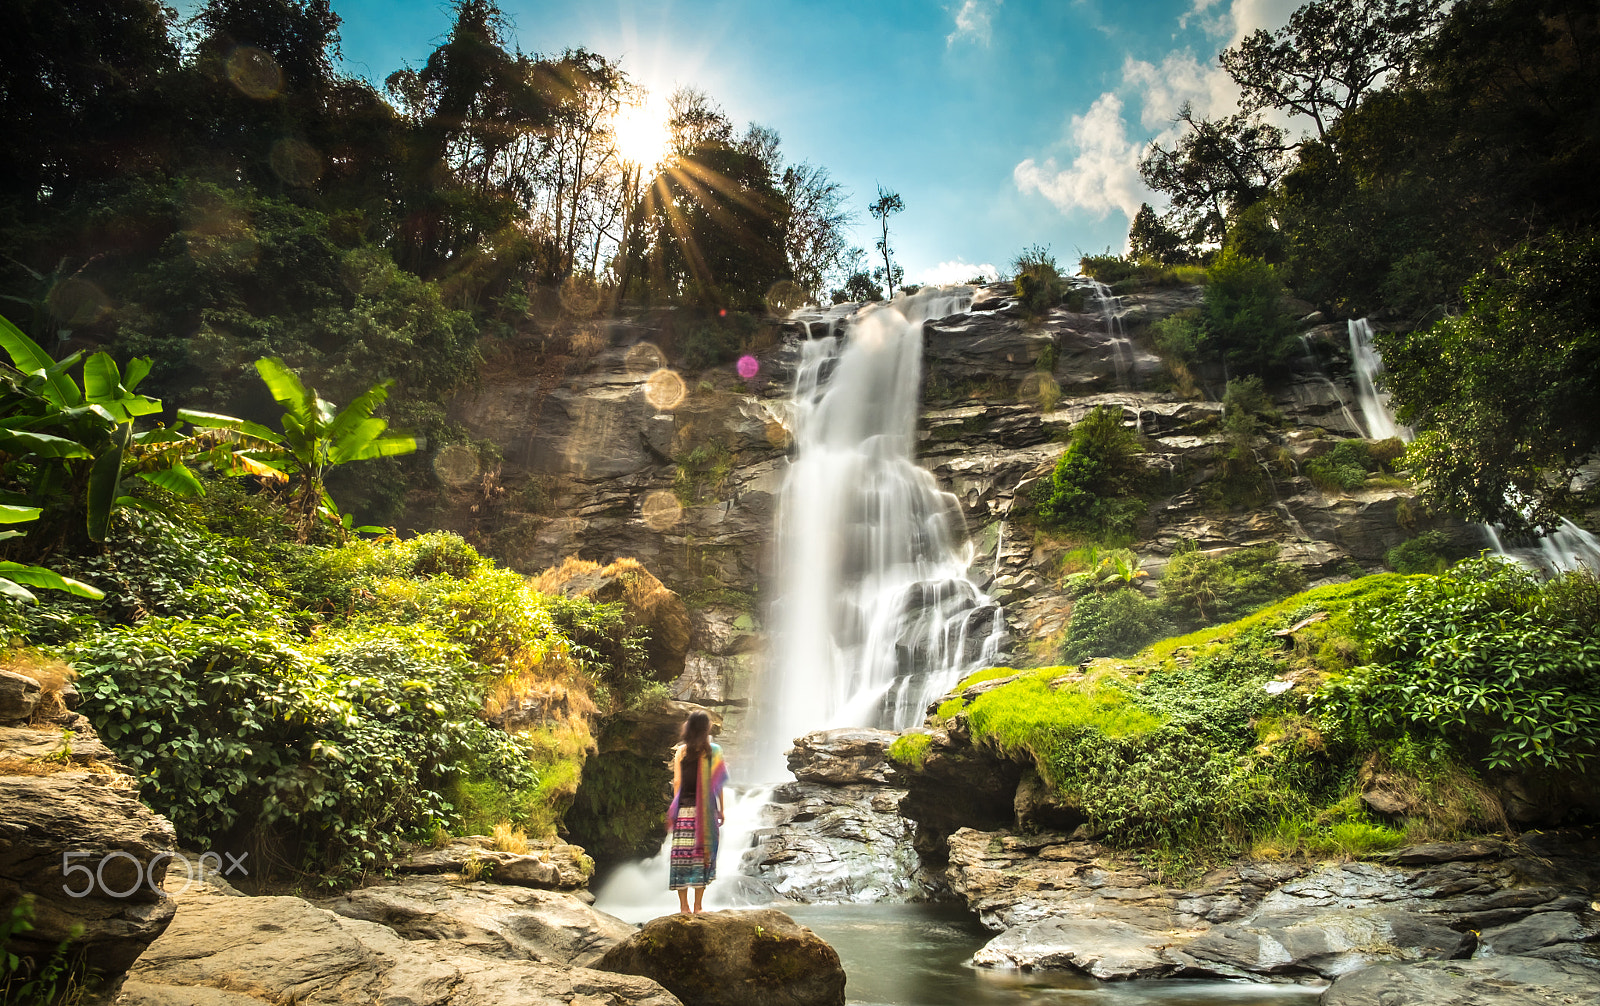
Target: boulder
(1539, 930)
(557, 865)
(1493, 981)
(1105, 949)
(498, 921)
(733, 958)
(19, 696)
(843, 756)
(1327, 943)
(69, 818)
(837, 844)
(223, 951)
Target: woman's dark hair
(696, 736)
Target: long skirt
(691, 868)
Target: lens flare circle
(255, 73)
(660, 510)
(456, 465)
(748, 367)
(665, 390)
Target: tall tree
(1216, 167)
(817, 245)
(886, 206)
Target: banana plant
(13, 575)
(317, 436)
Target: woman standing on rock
(698, 774)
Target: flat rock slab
(1106, 949)
(1502, 981)
(558, 866)
(1327, 944)
(223, 951)
(512, 922)
(748, 958)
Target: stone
(558, 865)
(842, 756)
(492, 919)
(1493, 981)
(1107, 950)
(828, 844)
(1541, 929)
(1447, 852)
(80, 824)
(1040, 807)
(19, 696)
(733, 958)
(223, 951)
(1327, 943)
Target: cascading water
(1112, 310)
(1563, 549)
(875, 614)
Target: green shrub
(1113, 270)
(1114, 624)
(1038, 280)
(1485, 661)
(1095, 484)
(1203, 588)
(1351, 461)
(1428, 552)
(1243, 313)
(718, 339)
(1179, 337)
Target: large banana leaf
(359, 411)
(37, 576)
(45, 445)
(177, 479)
(285, 387)
(30, 358)
(381, 448)
(18, 514)
(213, 421)
(105, 483)
(102, 385)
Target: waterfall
(1374, 403)
(874, 615)
(1112, 310)
(1562, 549)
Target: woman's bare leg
(699, 893)
(683, 901)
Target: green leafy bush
(1130, 272)
(1114, 624)
(1344, 467)
(1484, 660)
(1095, 484)
(1038, 280)
(1204, 588)
(1243, 313)
(1428, 552)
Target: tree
(1503, 395)
(1149, 237)
(1095, 484)
(886, 206)
(1330, 55)
(817, 245)
(1216, 167)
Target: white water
(1375, 407)
(1112, 310)
(1565, 548)
(875, 615)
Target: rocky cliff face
(631, 457)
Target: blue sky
(1002, 123)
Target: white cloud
(1104, 173)
(959, 271)
(1104, 176)
(974, 22)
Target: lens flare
(1040, 388)
(642, 132)
(456, 465)
(661, 510)
(644, 358)
(296, 162)
(254, 73)
(748, 367)
(665, 390)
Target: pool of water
(916, 955)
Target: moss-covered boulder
(733, 958)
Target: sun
(642, 132)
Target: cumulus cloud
(974, 22)
(1104, 172)
(1104, 176)
(958, 271)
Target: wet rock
(958, 787)
(69, 819)
(746, 958)
(711, 680)
(1494, 981)
(1107, 950)
(230, 951)
(491, 919)
(1542, 929)
(837, 844)
(1327, 944)
(557, 865)
(843, 756)
(1447, 852)
(722, 631)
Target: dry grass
(53, 677)
(509, 839)
(51, 766)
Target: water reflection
(916, 955)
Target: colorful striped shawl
(713, 776)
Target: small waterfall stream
(1563, 549)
